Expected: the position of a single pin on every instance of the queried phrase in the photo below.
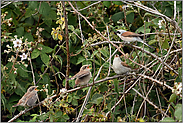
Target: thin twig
(38, 9)
(151, 103)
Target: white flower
(17, 43)
(15, 36)
(23, 56)
(159, 23)
(63, 90)
(26, 65)
(15, 72)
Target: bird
(128, 36)
(29, 98)
(120, 67)
(83, 76)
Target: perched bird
(29, 98)
(83, 76)
(120, 67)
(128, 36)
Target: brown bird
(83, 76)
(29, 98)
(128, 36)
(120, 67)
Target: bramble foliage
(33, 51)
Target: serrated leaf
(45, 58)
(35, 53)
(172, 97)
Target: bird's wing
(82, 74)
(124, 64)
(130, 34)
(31, 99)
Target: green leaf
(76, 97)
(45, 9)
(45, 58)
(45, 49)
(74, 102)
(172, 97)
(117, 16)
(48, 21)
(116, 85)
(58, 114)
(35, 53)
(80, 59)
(165, 44)
(104, 51)
(20, 31)
(65, 116)
(89, 111)
(117, 2)
(22, 71)
(3, 100)
(20, 90)
(141, 29)
(29, 12)
(168, 119)
(152, 42)
(71, 27)
(29, 37)
(103, 88)
(97, 99)
(69, 98)
(130, 17)
(107, 3)
(59, 59)
(178, 112)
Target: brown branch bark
(67, 47)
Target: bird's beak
(89, 67)
(36, 88)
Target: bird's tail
(140, 40)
